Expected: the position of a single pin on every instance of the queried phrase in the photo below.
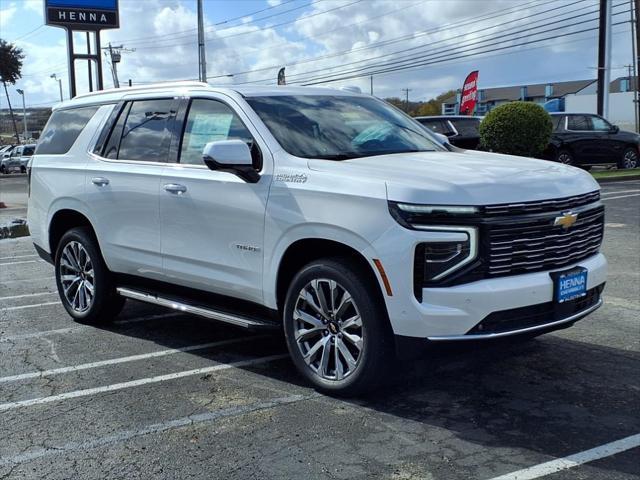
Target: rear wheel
(565, 156)
(629, 158)
(336, 327)
(84, 283)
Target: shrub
(516, 128)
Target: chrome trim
(473, 245)
(183, 307)
(486, 336)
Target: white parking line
(22, 262)
(59, 331)
(26, 295)
(116, 361)
(136, 383)
(621, 196)
(18, 256)
(618, 192)
(27, 279)
(22, 307)
(125, 435)
(574, 460)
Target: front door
(213, 222)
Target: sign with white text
(82, 14)
(469, 94)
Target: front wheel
(336, 327)
(84, 283)
(629, 158)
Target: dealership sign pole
(82, 16)
(469, 94)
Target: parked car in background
(462, 131)
(18, 160)
(6, 150)
(585, 139)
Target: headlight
(412, 215)
(440, 258)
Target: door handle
(175, 188)
(100, 181)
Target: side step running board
(207, 312)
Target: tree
(516, 128)
(434, 106)
(10, 71)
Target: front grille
(532, 245)
(535, 315)
(542, 205)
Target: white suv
(325, 213)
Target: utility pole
(371, 84)
(635, 47)
(115, 54)
(631, 72)
(202, 57)
(406, 91)
(24, 116)
(604, 57)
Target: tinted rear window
(28, 151)
(146, 133)
(63, 129)
(468, 127)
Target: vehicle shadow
(553, 395)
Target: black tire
(2, 169)
(629, 158)
(23, 170)
(376, 354)
(565, 156)
(586, 167)
(105, 304)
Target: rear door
(213, 221)
(123, 184)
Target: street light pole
(55, 77)
(24, 116)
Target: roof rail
(126, 89)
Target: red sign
(469, 94)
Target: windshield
(340, 127)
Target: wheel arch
(305, 250)
(62, 221)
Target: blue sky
(317, 38)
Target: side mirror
(615, 128)
(231, 156)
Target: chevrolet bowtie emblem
(566, 220)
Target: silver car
(18, 160)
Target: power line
(423, 64)
(257, 30)
(412, 36)
(491, 16)
(28, 33)
(223, 22)
(408, 58)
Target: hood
(465, 178)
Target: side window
(63, 129)
(600, 124)
(435, 126)
(558, 122)
(467, 127)
(146, 134)
(113, 142)
(208, 121)
(579, 122)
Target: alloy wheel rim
(77, 277)
(565, 158)
(328, 329)
(630, 160)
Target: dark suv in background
(588, 139)
(462, 131)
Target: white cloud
(273, 3)
(6, 14)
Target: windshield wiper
(338, 156)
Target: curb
(618, 179)
(17, 228)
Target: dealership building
(576, 95)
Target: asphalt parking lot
(163, 395)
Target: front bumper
(450, 313)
